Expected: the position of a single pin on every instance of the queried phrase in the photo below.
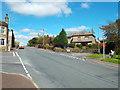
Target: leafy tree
(112, 32)
(61, 39)
(118, 38)
(47, 40)
(110, 45)
(33, 41)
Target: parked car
(21, 46)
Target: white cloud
(40, 8)
(25, 30)
(61, 0)
(13, 0)
(15, 32)
(33, 33)
(77, 28)
(23, 37)
(84, 5)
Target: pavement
(16, 81)
(12, 74)
(98, 60)
(59, 70)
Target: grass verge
(95, 56)
(111, 60)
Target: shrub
(40, 46)
(89, 46)
(46, 46)
(79, 45)
(71, 45)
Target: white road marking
(65, 55)
(25, 69)
(72, 57)
(13, 53)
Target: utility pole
(43, 37)
(98, 42)
(103, 48)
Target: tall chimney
(92, 31)
(6, 18)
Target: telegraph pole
(103, 48)
(98, 42)
(43, 37)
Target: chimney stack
(6, 18)
(92, 31)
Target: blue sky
(27, 20)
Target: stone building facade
(82, 37)
(5, 35)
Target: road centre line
(25, 69)
(66, 55)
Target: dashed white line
(83, 59)
(72, 57)
(25, 69)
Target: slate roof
(82, 33)
(2, 23)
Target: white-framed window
(86, 37)
(2, 41)
(2, 29)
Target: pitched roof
(79, 33)
(2, 23)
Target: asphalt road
(58, 70)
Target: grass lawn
(117, 56)
(95, 56)
(113, 60)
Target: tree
(61, 39)
(118, 38)
(56, 41)
(13, 39)
(33, 41)
(110, 45)
(112, 32)
(39, 40)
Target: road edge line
(25, 69)
(14, 54)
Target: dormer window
(2, 30)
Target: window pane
(2, 30)
(1, 41)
